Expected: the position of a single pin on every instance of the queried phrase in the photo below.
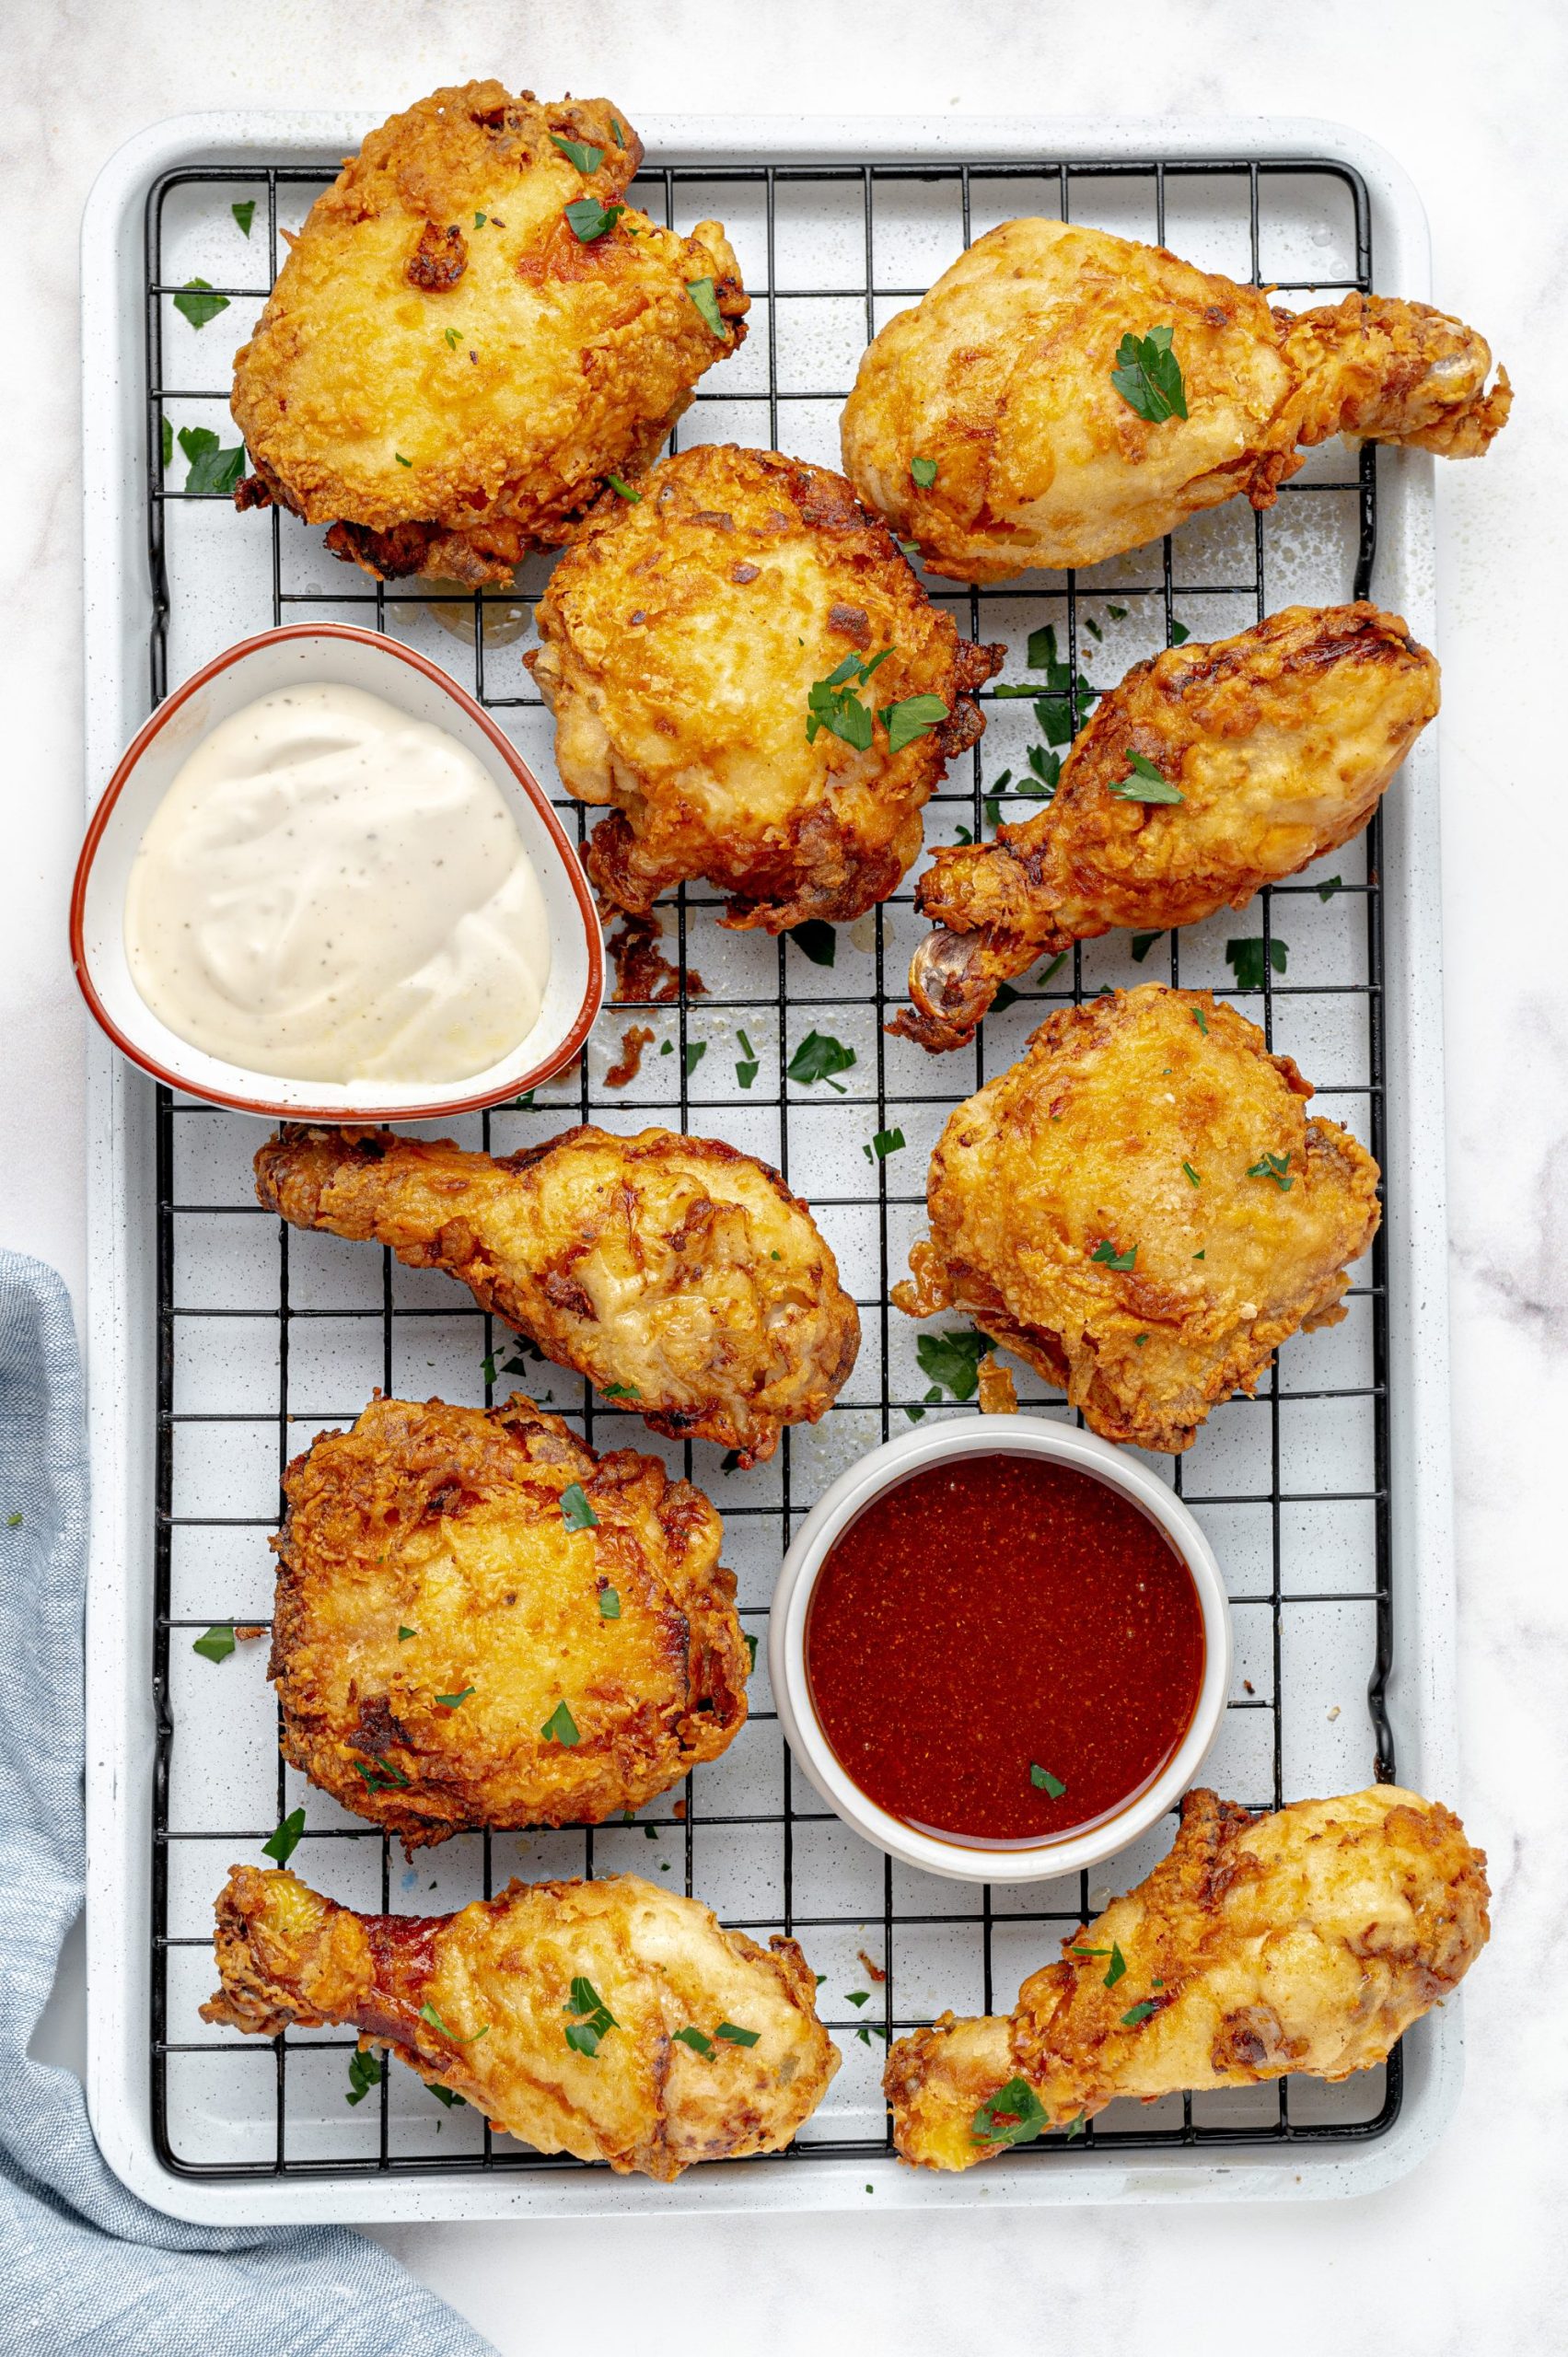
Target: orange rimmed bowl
(338, 655)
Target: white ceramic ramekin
(883, 1469)
(340, 656)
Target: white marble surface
(1466, 2254)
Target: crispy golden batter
(482, 2003)
(1140, 1124)
(443, 371)
(678, 1275)
(1001, 379)
(1306, 1941)
(1279, 741)
(680, 640)
(427, 1555)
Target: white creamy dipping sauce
(329, 891)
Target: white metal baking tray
(1327, 1749)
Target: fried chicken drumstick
(1139, 1208)
(481, 1622)
(681, 639)
(472, 331)
(676, 1273)
(1278, 744)
(998, 388)
(1307, 1941)
(608, 2019)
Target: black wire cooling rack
(194, 2105)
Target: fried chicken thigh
(1306, 1941)
(605, 2019)
(677, 1275)
(1139, 1208)
(681, 637)
(998, 387)
(446, 372)
(479, 1622)
(1279, 742)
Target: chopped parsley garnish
(211, 468)
(746, 1071)
(618, 1390)
(1044, 1782)
(924, 472)
(704, 296)
(576, 151)
(695, 2038)
(1250, 963)
(609, 1604)
(575, 1511)
(391, 1775)
(595, 2019)
(1131, 2019)
(1117, 613)
(1115, 1969)
(1075, 2126)
(916, 717)
(695, 1051)
(1004, 997)
(857, 1997)
(868, 2030)
(733, 2035)
(444, 2095)
(623, 489)
(885, 1142)
(286, 1841)
(832, 704)
(814, 939)
(588, 220)
(1046, 777)
(364, 2073)
(400, 459)
(1179, 633)
(748, 1637)
(953, 1360)
(730, 1462)
(1142, 945)
(453, 339)
(1202, 1256)
(1106, 1253)
(480, 219)
(1200, 1019)
(1148, 375)
(197, 302)
(1145, 784)
(1093, 628)
(819, 1057)
(620, 135)
(217, 1645)
(455, 1702)
(166, 434)
(428, 2013)
(1063, 701)
(1193, 1178)
(1275, 1166)
(1054, 968)
(1327, 889)
(561, 1727)
(1013, 2115)
(245, 213)
(405, 1633)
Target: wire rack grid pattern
(251, 1315)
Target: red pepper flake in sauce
(633, 1039)
(642, 970)
(995, 1612)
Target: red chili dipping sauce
(1003, 1649)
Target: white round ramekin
(885, 1468)
(338, 655)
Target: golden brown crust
(1307, 1941)
(1001, 378)
(444, 373)
(1141, 1124)
(481, 2003)
(680, 637)
(1280, 740)
(677, 1269)
(425, 1554)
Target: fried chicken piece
(677, 1275)
(449, 1578)
(561, 2010)
(1000, 379)
(1139, 1208)
(444, 372)
(680, 640)
(1306, 1941)
(1279, 741)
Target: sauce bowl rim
(444, 1106)
(885, 1467)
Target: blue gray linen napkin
(86, 2267)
